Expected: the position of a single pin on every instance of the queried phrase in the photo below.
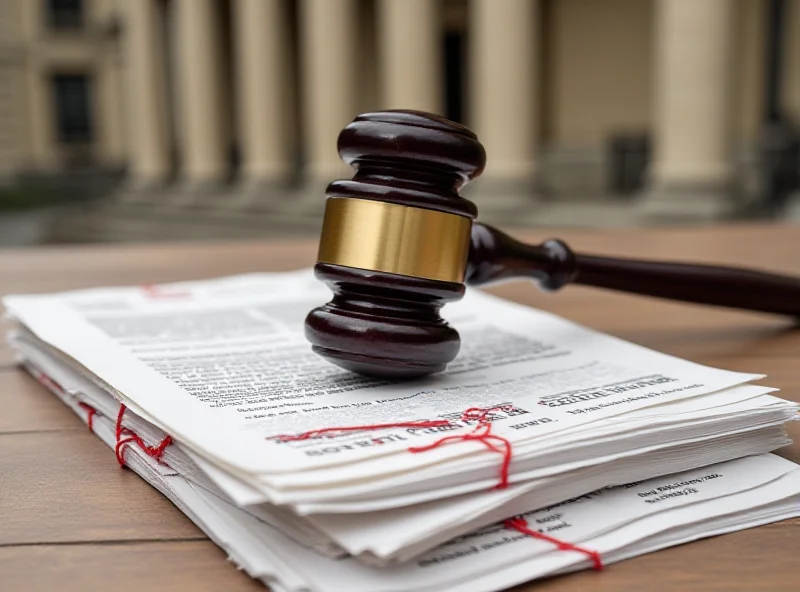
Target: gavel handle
(495, 256)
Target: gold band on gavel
(403, 240)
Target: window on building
(64, 14)
(73, 112)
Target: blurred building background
(167, 119)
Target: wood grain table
(71, 519)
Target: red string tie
(52, 385)
(521, 525)
(481, 433)
(48, 382)
(437, 423)
(159, 293)
(90, 413)
(154, 452)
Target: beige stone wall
(598, 69)
(603, 49)
(10, 31)
(791, 95)
(750, 71)
(14, 145)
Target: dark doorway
(73, 108)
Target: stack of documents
(544, 448)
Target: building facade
(250, 95)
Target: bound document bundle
(545, 447)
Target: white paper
(400, 534)
(238, 361)
(619, 523)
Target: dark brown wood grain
(49, 499)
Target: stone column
(503, 99)
(411, 70)
(111, 114)
(261, 56)
(692, 165)
(792, 92)
(146, 101)
(41, 120)
(203, 144)
(329, 78)
(38, 102)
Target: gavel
(398, 242)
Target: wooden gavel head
(395, 243)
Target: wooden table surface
(71, 519)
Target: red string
(407, 424)
(51, 384)
(157, 292)
(521, 525)
(45, 380)
(90, 412)
(119, 428)
(154, 452)
(479, 413)
(119, 450)
(481, 433)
